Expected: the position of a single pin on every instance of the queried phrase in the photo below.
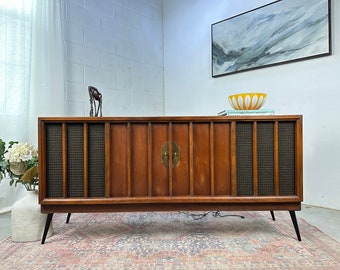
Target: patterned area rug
(175, 240)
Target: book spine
(247, 112)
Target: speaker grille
(265, 158)
(75, 160)
(244, 161)
(287, 158)
(96, 160)
(54, 164)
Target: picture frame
(280, 32)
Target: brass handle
(175, 154)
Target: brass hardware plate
(175, 154)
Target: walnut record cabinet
(100, 164)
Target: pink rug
(174, 240)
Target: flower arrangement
(20, 163)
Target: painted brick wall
(116, 46)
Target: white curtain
(46, 96)
(31, 73)
(15, 47)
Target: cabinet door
(177, 159)
(135, 157)
(204, 167)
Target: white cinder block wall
(116, 46)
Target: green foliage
(3, 163)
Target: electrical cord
(214, 214)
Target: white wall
(310, 87)
(116, 46)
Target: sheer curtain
(31, 73)
(46, 95)
(15, 47)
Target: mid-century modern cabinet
(217, 163)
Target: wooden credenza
(91, 164)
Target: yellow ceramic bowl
(247, 101)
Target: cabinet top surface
(174, 118)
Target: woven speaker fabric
(96, 153)
(265, 158)
(287, 158)
(54, 160)
(244, 152)
(75, 160)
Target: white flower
(21, 151)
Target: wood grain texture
(206, 173)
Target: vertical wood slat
(276, 158)
(191, 159)
(298, 159)
(180, 174)
(42, 153)
(221, 153)
(64, 147)
(212, 160)
(128, 157)
(149, 163)
(255, 169)
(233, 158)
(86, 159)
(170, 157)
(107, 160)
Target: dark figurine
(95, 96)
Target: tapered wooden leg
(296, 227)
(68, 218)
(47, 226)
(272, 213)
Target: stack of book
(247, 112)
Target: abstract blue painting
(283, 31)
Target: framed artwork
(281, 32)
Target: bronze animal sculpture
(95, 96)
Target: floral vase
(28, 222)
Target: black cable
(218, 214)
(215, 214)
(196, 216)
